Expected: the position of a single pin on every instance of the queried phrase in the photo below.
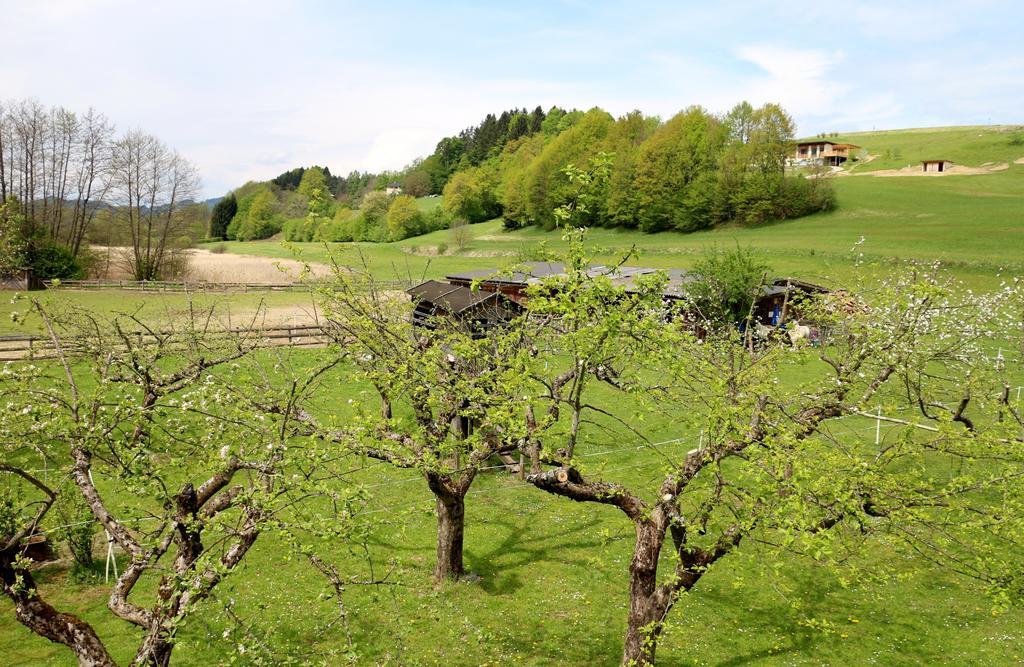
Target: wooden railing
(201, 286)
(30, 347)
(172, 286)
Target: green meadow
(551, 586)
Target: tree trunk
(451, 521)
(450, 497)
(647, 605)
(155, 650)
(45, 621)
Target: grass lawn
(553, 588)
(553, 573)
(232, 308)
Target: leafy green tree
(463, 196)
(261, 219)
(417, 183)
(676, 173)
(628, 134)
(404, 218)
(457, 384)
(515, 160)
(221, 215)
(312, 179)
(171, 442)
(546, 185)
(13, 243)
(769, 468)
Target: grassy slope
(972, 146)
(974, 223)
(553, 590)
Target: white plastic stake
(878, 427)
(110, 549)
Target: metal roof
(453, 298)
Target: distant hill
(968, 145)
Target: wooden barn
(477, 310)
(514, 284)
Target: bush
(79, 527)
(728, 282)
(219, 249)
(51, 260)
(1017, 139)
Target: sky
(247, 90)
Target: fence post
(878, 427)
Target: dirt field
(205, 266)
(955, 170)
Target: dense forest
(695, 170)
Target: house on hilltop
(393, 188)
(936, 166)
(823, 152)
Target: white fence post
(878, 427)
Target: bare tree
(182, 475)
(152, 185)
(770, 469)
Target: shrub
(219, 249)
(51, 260)
(1017, 139)
(79, 527)
(727, 283)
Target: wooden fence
(172, 286)
(201, 286)
(29, 347)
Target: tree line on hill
(67, 179)
(694, 171)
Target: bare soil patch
(205, 266)
(955, 170)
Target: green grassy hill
(975, 223)
(971, 146)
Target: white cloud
(798, 79)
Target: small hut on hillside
(936, 166)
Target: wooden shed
(775, 306)
(21, 280)
(936, 166)
(478, 310)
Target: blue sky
(249, 89)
